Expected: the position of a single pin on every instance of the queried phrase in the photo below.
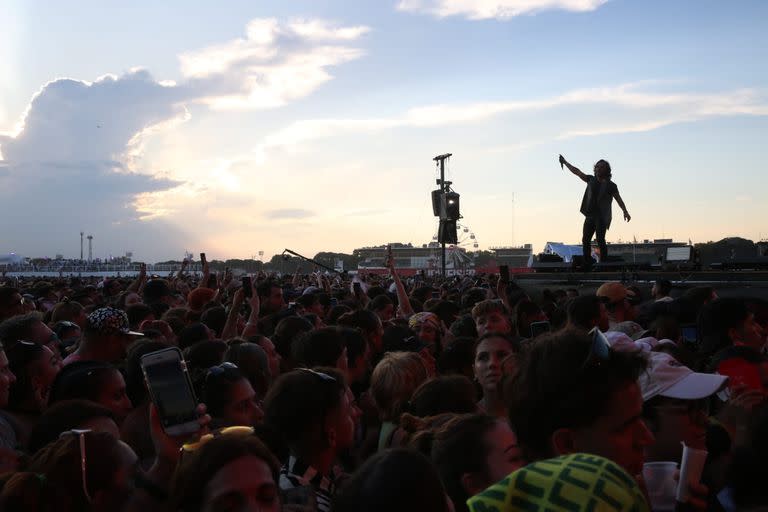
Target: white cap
(665, 376)
(620, 342)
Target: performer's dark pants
(593, 225)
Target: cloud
(271, 66)
(288, 213)
(67, 168)
(75, 120)
(647, 108)
(77, 158)
(495, 9)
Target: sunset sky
(237, 127)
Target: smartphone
(170, 387)
(334, 301)
(212, 282)
(356, 287)
(435, 295)
(247, 287)
(539, 328)
(689, 333)
(202, 258)
(504, 273)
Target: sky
(244, 127)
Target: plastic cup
(660, 481)
(690, 471)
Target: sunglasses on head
(234, 431)
(323, 376)
(221, 369)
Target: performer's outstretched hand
(627, 217)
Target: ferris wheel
(464, 251)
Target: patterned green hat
(571, 483)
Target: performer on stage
(596, 207)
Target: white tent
(565, 251)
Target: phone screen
(356, 286)
(538, 328)
(689, 333)
(171, 392)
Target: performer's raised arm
(623, 207)
(574, 170)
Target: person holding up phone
(404, 303)
(596, 207)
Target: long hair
(603, 164)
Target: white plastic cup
(660, 482)
(690, 471)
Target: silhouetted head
(603, 170)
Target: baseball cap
(614, 291)
(199, 297)
(110, 321)
(667, 377)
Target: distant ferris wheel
(462, 253)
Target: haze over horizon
(173, 127)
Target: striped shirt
(299, 474)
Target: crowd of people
(379, 393)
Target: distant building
(513, 257)
(410, 259)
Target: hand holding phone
(170, 387)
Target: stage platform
(725, 283)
